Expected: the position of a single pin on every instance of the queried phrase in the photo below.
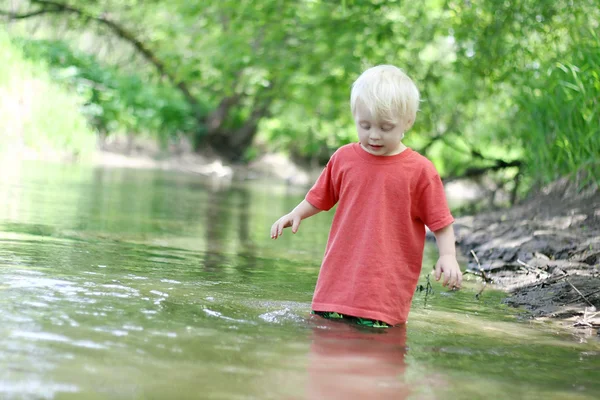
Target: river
(143, 284)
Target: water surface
(128, 284)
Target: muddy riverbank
(545, 253)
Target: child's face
(379, 137)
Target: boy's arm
(302, 211)
(447, 262)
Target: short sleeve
(432, 205)
(324, 194)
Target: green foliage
(539, 61)
(500, 80)
(561, 114)
(36, 112)
(115, 102)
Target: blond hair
(387, 92)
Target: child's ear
(409, 123)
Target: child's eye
(365, 126)
(387, 128)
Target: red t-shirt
(375, 249)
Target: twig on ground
(586, 295)
(581, 294)
(523, 263)
(588, 319)
(486, 280)
(550, 280)
(480, 269)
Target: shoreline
(544, 253)
(148, 156)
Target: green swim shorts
(353, 320)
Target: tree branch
(12, 15)
(478, 171)
(471, 149)
(49, 6)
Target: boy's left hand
(452, 275)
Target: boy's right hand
(286, 221)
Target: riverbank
(545, 253)
(179, 157)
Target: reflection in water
(247, 246)
(216, 225)
(222, 203)
(350, 362)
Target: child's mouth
(375, 147)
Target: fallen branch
(536, 269)
(480, 269)
(587, 295)
(581, 294)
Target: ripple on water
(113, 332)
(119, 291)
(217, 314)
(40, 336)
(136, 277)
(35, 304)
(130, 290)
(21, 281)
(281, 316)
(37, 388)
(52, 337)
(133, 328)
(159, 293)
(171, 335)
(169, 281)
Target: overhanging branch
(49, 6)
(12, 15)
(479, 171)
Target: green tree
(495, 76)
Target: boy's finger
(438, 272)
(459, 279)
(452, 281)
(447, 276)
(295, 225)
(276, 230)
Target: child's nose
(375, 134)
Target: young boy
(386, 193)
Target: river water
(130, 284)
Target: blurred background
(510, 89)
(161, 281)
